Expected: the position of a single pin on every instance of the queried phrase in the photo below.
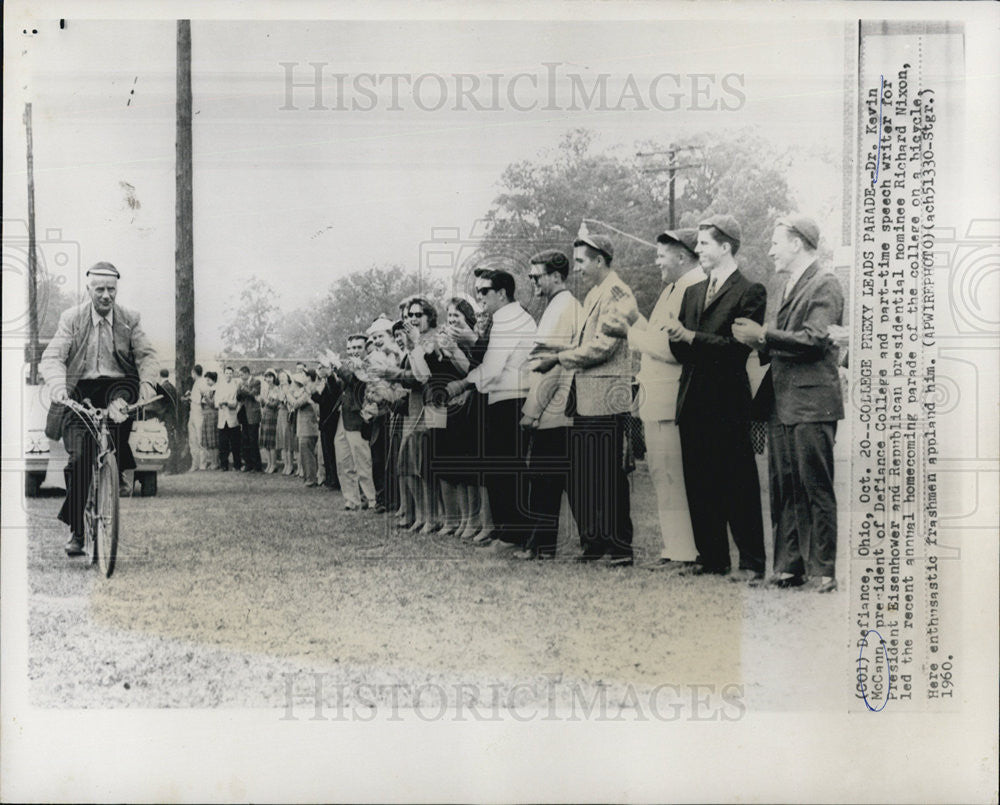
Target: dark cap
(598, 242)
(803, 226)
(726, 224)
(688, 238)
(103, 270)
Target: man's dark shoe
(74, 547)
(785, 582)
(588, 557)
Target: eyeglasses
(484, 291)
(415, 314)
(537, 277)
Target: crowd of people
(473, 420)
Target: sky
(300, 196)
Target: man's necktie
(102, 347)
(712, 286)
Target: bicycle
(100, 514)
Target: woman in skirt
(271, 399)
(210, 420)
(285, 435)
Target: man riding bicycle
(101, 353)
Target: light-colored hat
(383, 324)
(103, 270)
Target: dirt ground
(233, 589)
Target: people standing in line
(270, 401)
(380, 336)
(426, 414)
(398, 410)
(713, 406)
(456, 452)
(807, 404)
(200, 460)
(210, 420)
(327, 398)
(600, 398)
(229, 431)
(436, 359)
(659, 378)
(503, 377)
(354, 460)
(544, 412)
(285, 435)
(306, 424)
(249, 414)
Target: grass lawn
(229, 582)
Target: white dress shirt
(502, 374)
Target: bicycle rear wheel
(106, 531)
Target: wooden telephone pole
(184, 254)
(671, 168)
(33, 345)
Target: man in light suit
(659, 378)
(807, 405)
(713, 406)
(229, 424)
(101, 353)
(599, 400)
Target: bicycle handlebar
(87, 408)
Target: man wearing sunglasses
(544, 412)
(502, 376)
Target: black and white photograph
(487, 402)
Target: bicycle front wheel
(107, 516)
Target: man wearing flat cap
(101, 353)
(808, 403)
(600, 398)
(713, 406)
(659, 377)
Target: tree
(349, 306)
(542, 203)
(52, 301)
(253, 322)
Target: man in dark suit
(328, 398)
(807, 405)
(101, 353)
(249, 414)
(713, 405)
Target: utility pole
(184, 246)
(33, 345)
(671, 168)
